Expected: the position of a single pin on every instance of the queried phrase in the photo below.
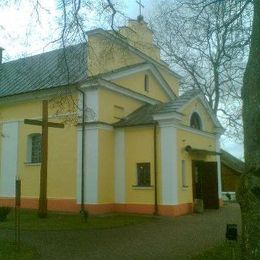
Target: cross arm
(39, 123)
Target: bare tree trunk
(249, 190)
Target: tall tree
(249, 190)
(207, 43)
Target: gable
(136, 76)
(136, 82)
(195, 105)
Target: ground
(165, 238)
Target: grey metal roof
(47, 70)
(141, 116)
(144, 114)
(232, 162)
(175, 105)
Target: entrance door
(205, 183)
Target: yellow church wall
(172, 81)
(105, 55)
(109, 101)
(29, 174)
(106, 167)
(196, 141)
(196, 106)
(10, 112)
(136, 83)
(62, 152)
(138, 149)
(61, 163)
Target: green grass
(59, 221)
(223, 251)
(8, 250)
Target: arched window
(195, 121)
(34, 148)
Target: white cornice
(168, 116)
(97, 126)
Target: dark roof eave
(76, 84)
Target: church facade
(141, 147)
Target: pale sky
(22, 35)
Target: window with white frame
(34, 148)
(143, 175)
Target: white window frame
(29, 148)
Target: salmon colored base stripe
(175, 210)
(70, 205)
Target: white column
(91, 166)
(218, 167)
(119, 166)
(169, 165)
(9, 159)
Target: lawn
(223, 251)
(8, 250)
(59, 221)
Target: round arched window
(195, 121)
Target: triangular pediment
(183, 107)
(133, 78)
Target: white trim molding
(175, 116)
(120, 181)
(9, 159)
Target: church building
(130, 143)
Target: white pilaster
(119, 166)
(169, 165)
(91, 166)
(219, 167)
(9, 159)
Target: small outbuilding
(231, 169)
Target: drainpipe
(82, 208)
(155, 169)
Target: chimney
(1, 54)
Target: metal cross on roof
(140, 7)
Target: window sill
(136, 187)
(32, 164)
(185, 188)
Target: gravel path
(166, 238)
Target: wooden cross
(140, 7)
(42, 210)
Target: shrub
(4, 211)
